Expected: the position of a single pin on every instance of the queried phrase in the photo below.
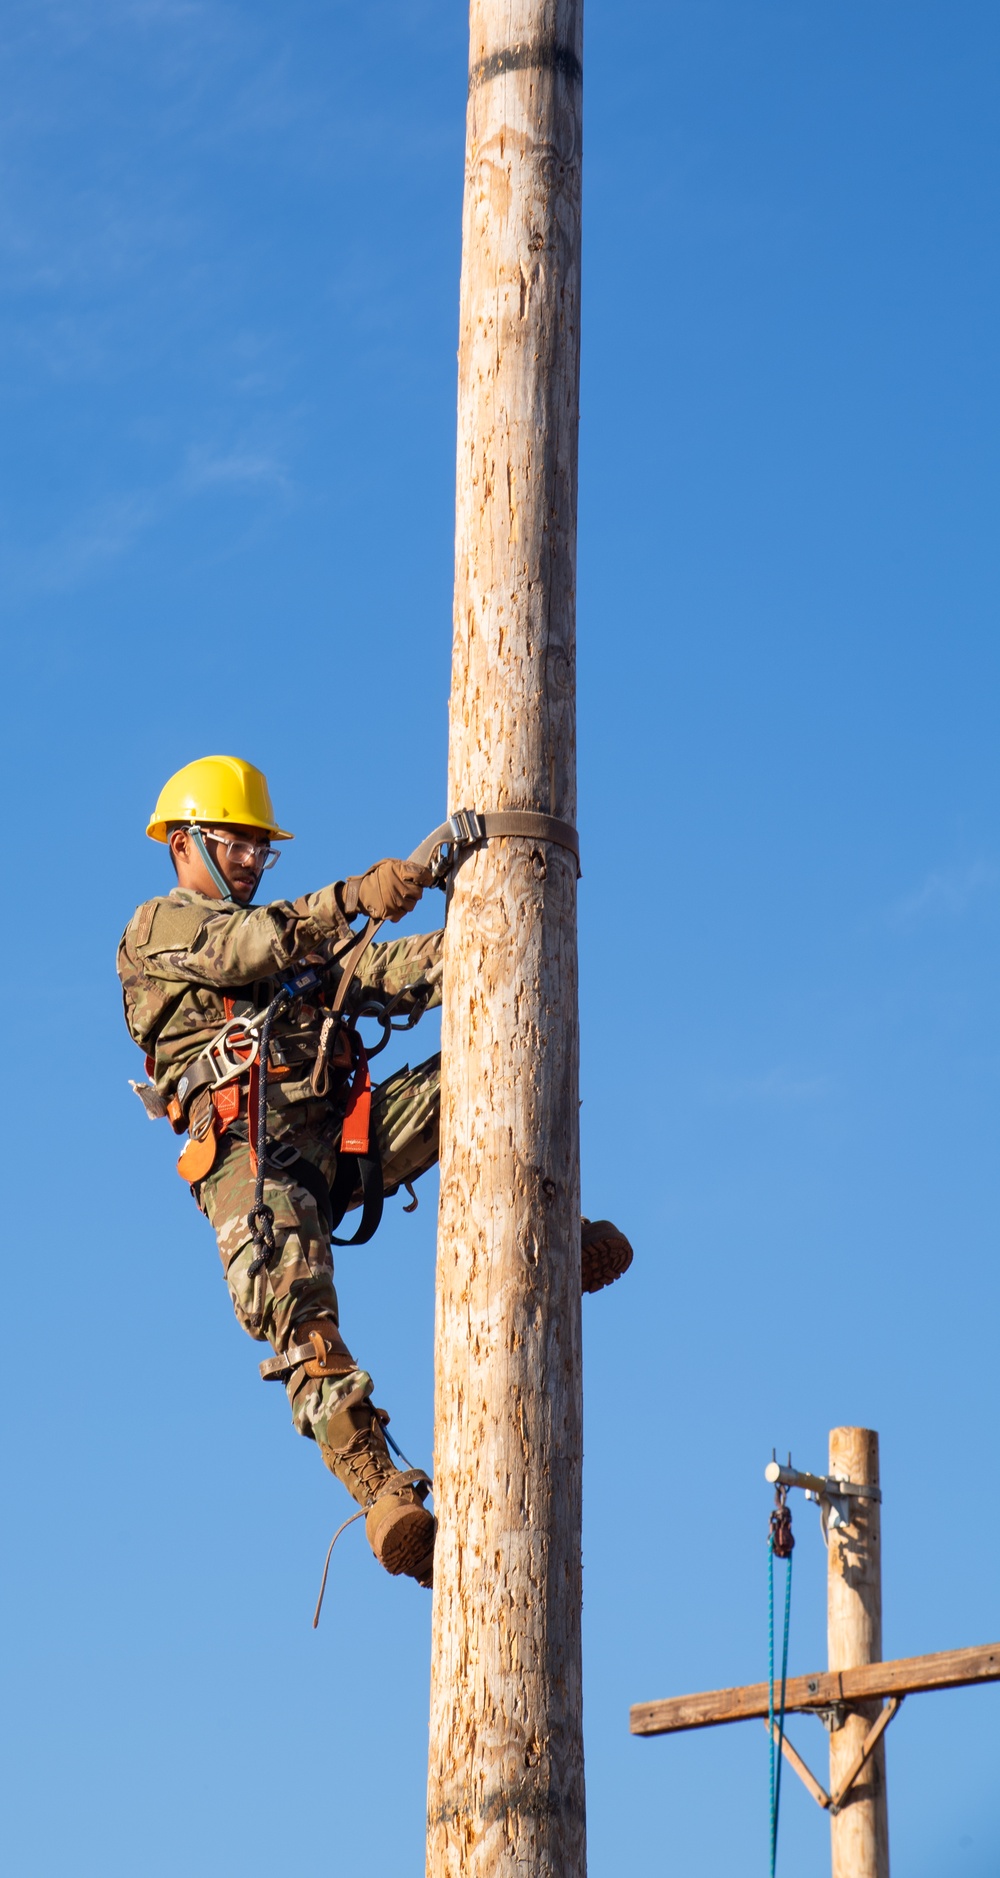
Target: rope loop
(260, 1221)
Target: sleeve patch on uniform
(170, 927)
(144, 922)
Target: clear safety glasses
(242, 852)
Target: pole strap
(464, 829)
(467, 827)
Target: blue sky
(230, 243)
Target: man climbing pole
(246, 1015)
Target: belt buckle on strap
(282, 1154)
(466, 826)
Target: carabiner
(378, 1011)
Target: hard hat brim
(160, 831)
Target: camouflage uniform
(179, 957)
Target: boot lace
(368, 1469)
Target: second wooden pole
(859, 1833)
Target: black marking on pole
(525, 1799)
(541, 55)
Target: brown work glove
(388, 890)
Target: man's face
(238, 853)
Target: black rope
(260, 1218)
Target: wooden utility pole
(506, 1788)
(848, 1696)
(859, 1830)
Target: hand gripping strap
(463, 830)
(465, 827)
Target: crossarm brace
(834, 1802)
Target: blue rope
(770, 1694)
(397, 1450)
(776, 1756)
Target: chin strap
(219, 879)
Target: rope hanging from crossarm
(780, 1543)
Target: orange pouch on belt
(198, 1157)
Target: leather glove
(389, 890)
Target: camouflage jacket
(182, 955)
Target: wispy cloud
(944, 894)
(107, 530)
(101, 535)
(779, 1085)
(208, 471)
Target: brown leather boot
(400, 1529)
(605, 1254)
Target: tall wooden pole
(860, 1831)
(506, 1789)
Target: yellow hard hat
(216, 789)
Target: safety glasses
(243, 852)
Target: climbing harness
(241, 1050)
(780, 1543)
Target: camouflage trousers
(297, 1285)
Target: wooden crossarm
(907, 1675)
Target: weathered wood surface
(506, 1785)
(906, 1675)
(859, 1832)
